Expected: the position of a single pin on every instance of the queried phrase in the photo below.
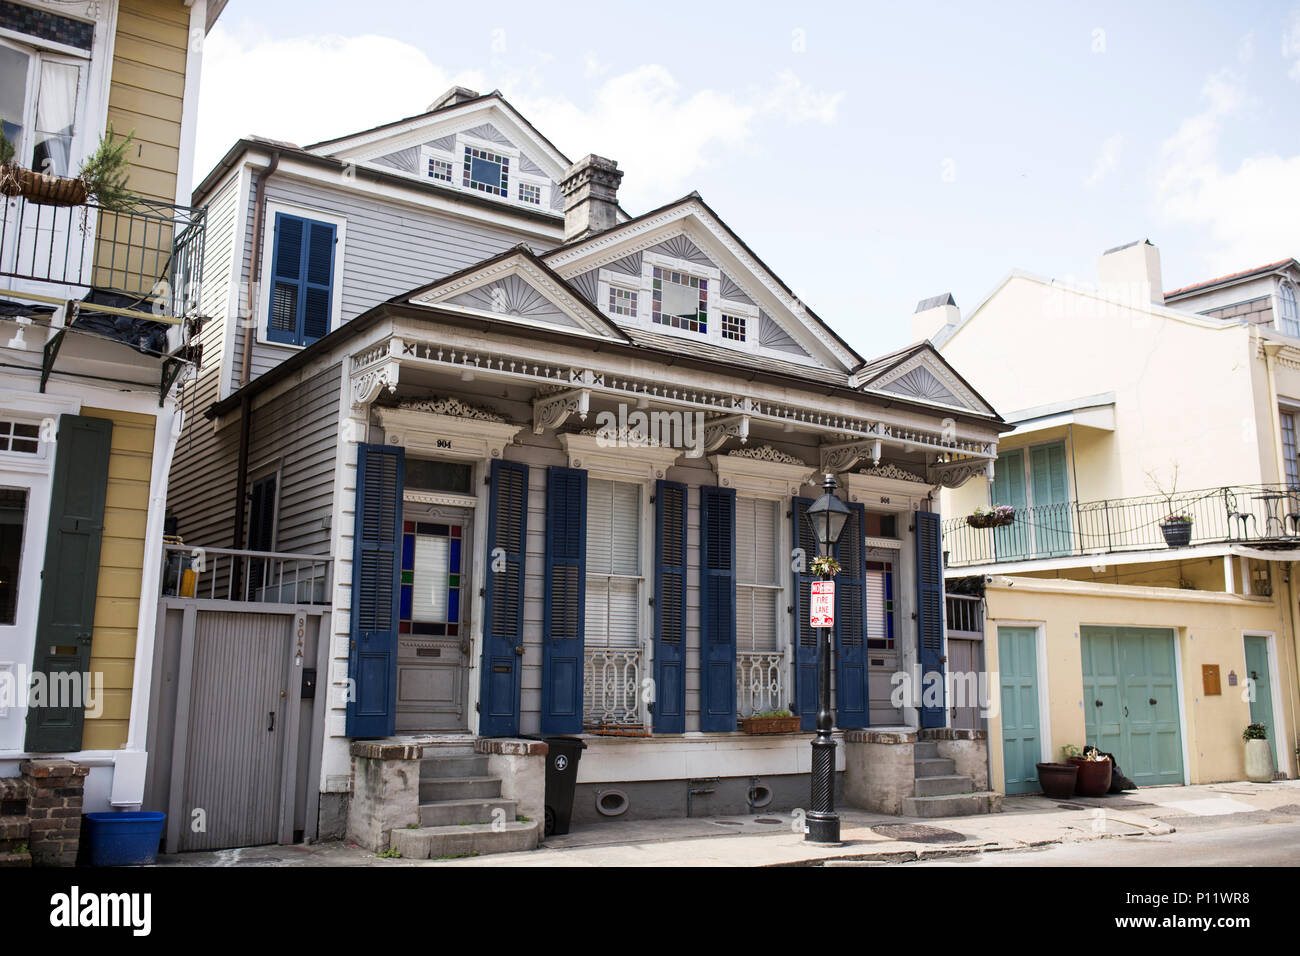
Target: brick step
(461, 765)
(436, 843)
(942, 786)
(12, 858)
(450, 813)
(953, 805)
(462, 788)
(925, 749)
(934, 767)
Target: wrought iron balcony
(1263, 515)
(144, 255)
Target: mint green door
(1259, 674)
(1021, 734)
(1131, 701)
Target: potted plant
(996, 517)
(825, 565)
(771, 722)
(1094, 771)
(1177, 529)
(102, 176)
(1259, 756)
(1057, 779)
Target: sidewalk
(773, 839)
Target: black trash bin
(563, 754)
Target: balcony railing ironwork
(1265, 514)
(146, 252)
(965, 613)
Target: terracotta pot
(1259, 761)
(1057, 779)
(770, 725)
(1094, 777)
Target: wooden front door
(433, 620)
(1022, 742)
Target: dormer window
(439, 169)
(733, 327)
(486, 171)
(681, 300)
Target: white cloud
(1291, 45)
(309, 88)
(1250, 211)
(1107, 160)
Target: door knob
(270, 727)
(1151, 701)
(1125, 711)
(519, 650)
(1096, 703)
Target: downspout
(245, 406)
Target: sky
(871, 154)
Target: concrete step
(924, 749)
(436, 843)
(460, 765)
(934, 767)
(450, 813)
(953, 805)
(942, 786)
(432, 791)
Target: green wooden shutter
(1052, 523)
(1012, 541)
(70, 578)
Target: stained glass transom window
(733, 327)
(680, 300)
(440, 169)
(622, 301)
(431, 578)
(487, 171)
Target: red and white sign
(821, 610)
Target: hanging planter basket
(42, 189)
(994, 520)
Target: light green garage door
(1131, 697)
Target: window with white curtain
(39, 97)
(1290, 311)
(758, 580)
(614, 575)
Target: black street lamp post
(827, 516)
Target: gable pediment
(689, 237)
(924, 376)
(516, 288)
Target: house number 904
(444, 442)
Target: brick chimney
(934, 315)
(590, 189)
(455, 95)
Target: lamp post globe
(827, 516)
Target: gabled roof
(920, 373)
(1233, 277)
(574, 258)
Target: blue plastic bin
(129, 838)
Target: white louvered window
(760, 659)
(613, 665)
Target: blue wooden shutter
(376, 566)
(670, 608)
(302, 280)
(806, 646)
(504, 600)
(65, 615)
(851, 694)
(717, 609)
(318, 281)
(929, 612)
(566, 586)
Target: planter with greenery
(825, 566)
(1057, 779)
(1177, 529)
(771, 722)
(102, 177)
(995, 517)
(1094, 771)
(1259, 755)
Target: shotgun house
(558, 485)
(96, 307)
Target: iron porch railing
(965, 614)
(1264, 514)
(146, 252)
(254, 577)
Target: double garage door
(1130, 694)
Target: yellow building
(96, 310)
(1131, 407)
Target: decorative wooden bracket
(49, 354)
(842, 457)
(718, 430)
(374, 370)
(954, 474)
(552, 411)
